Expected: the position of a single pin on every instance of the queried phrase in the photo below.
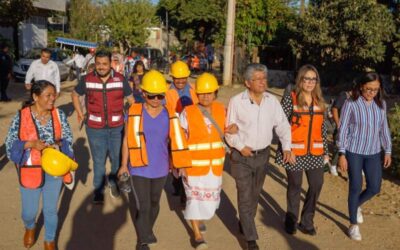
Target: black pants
(315, 178)
(148, 193)
(3, 87)
(249, 174)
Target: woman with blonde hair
(304, 108)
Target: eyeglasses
(158, 96)
(371, 90)
(259, 80)
(310, 79)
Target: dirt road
(83, 226)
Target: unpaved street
(84, 226)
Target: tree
(195, 19)
(84, 19)
(128, 21)
(9, 17)
(343, 34)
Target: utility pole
(229, 42)
(167, 27)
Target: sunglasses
(152, 97)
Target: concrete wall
(58, 5)
(32, 36)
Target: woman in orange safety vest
(304, 107)
(152, 137)
(36, 126)
(204, 126)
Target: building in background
(33, 32)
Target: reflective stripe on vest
(207, 163)
(206, 146)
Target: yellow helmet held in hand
(55, 163)
(154, 82)
(180, 69)
(206, 83)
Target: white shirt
(89, 59)
(39, 71)
(79, 61)
(256, 122)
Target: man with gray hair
(256, 113)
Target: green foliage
(195, 19)
(396, 40)
(394, 121)
(343, 33)
(14, 11)
(84, 20)
(257, 21)
(128, 21)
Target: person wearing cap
(35, 127)
(152, 137)
(179, 95)
(204, 125)
(257, 114)
(104, 91)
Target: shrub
(394, 122)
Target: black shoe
(142, 246)
(304, 230)
(114, 191)
(201, 244)
(290, 224)
(240, 228)
(252, 245)
(152, 240)
(5, 99)
(98, 198)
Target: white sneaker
(360, 218)
(354, 232)
(333, 170)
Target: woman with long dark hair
(36, 126)
(135, 80)
(363, 133)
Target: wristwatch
(341, 153)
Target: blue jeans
(102, 142)
(372, 166)
(30, 205)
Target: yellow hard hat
(56, 163)
(154, 82)
(180, 69)
(206, 83)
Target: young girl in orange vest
(305, 107)
(204, 126)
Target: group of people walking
(180, 127)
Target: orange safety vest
(137, 139)
(31, 174)
(195, 64)
(207, 149)
(173, 102)
(306, 129)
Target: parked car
(155, 58)
(60, 57)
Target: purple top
(156, 132)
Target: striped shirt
(363, 128)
